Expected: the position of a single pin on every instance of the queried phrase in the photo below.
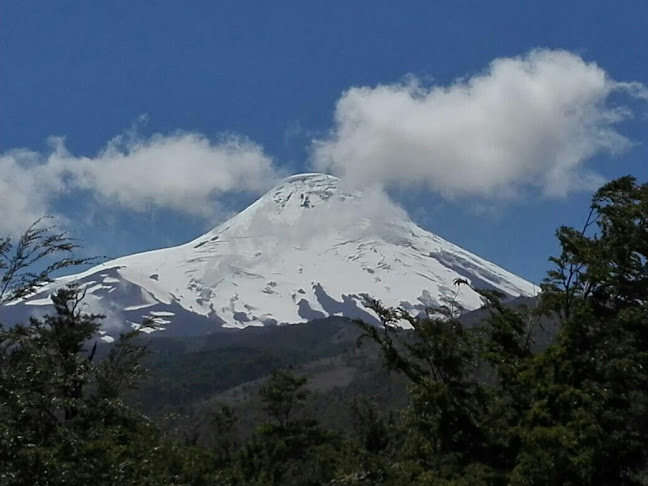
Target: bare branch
(19, 275)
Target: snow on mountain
(306, 249)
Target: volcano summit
(306, 249)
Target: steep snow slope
(306, 249)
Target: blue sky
(250, 91)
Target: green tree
(446, 424)
(289, 449)
(282, 395)
(588, 423)
(62, 421)
(486, 409)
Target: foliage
(289, 449)
(487, 410)
(486, 405)
(29, 264)
(61, 417)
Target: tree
(289, 449)
(30, 263)
(282, 395)
(447, 439)
(57, 404)
(486, 409)
(62, 420)
(589, 422)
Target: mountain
(307, 249)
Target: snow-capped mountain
(306, 249)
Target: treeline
(487, 407)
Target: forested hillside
(552, 392)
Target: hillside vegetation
(545, 394)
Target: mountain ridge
(307, 249)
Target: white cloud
(182, 172)
(185, 172)
(25, 191)
(528, 121)
(355, 214)
(349, 215)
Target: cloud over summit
(529, 121)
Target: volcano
(309, 248)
